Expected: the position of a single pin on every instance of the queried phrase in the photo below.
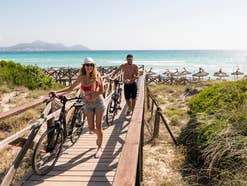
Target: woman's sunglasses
(89, 65)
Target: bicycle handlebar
(63, 99)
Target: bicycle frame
(61, 122)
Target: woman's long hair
(94, 75)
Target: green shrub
(220, 125)
(29, 76)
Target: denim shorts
(95, 106)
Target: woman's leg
(90, 120)
(99, 118)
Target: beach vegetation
(32, 77)
(216, 135)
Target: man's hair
(129, 55)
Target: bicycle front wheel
(79, 121)
(110, 112)
(47, 151)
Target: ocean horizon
(159, 60)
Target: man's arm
(116, 71)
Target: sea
(158, 60)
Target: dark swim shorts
(130, 91)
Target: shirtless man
(130, 75)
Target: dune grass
(216, 136)
(209, 120)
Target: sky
(126, 24)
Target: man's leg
(127, 95)
(133, 104)
(129, 103)
(133, 95)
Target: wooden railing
(129, 170)
(158, 116)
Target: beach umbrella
(176, 73)
(237, 73)
(221, 74)
(167, 72)
(185, 72)
(201, 73)
(150, 72)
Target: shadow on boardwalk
(99, 171)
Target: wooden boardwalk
(77, 165)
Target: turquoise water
(209, 60)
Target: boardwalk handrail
(131, 157)
(158, 115)
(34, 128)
(23, 108)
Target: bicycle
(50, 143)
(114, 104)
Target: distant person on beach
(92, 88)
(130, 75)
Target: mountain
(43, 46)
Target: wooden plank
(83, 163)
(72, 178)
(93, 144)
(74, 183)
(85, 148)
(81, 173)
(80, 167)
(91, 160)
(81, 153)
(127, 166)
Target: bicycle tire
(120, 96)
(110, 112)
(50, 154)
(79, 120)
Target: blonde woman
(92, 88)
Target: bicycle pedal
(78, 125)
(69, 132)
(49, 149)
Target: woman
(92, 88)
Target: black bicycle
(50, 144)
(114, 104)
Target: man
(130, 74)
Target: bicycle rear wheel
(120, 96)
(79, 120)
(110, 112)
(46, 153)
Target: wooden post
(139, 173)
(159, 78)
(70, 76)
(148, 99)
(152, 109)
(9, 176)
(156, 123)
